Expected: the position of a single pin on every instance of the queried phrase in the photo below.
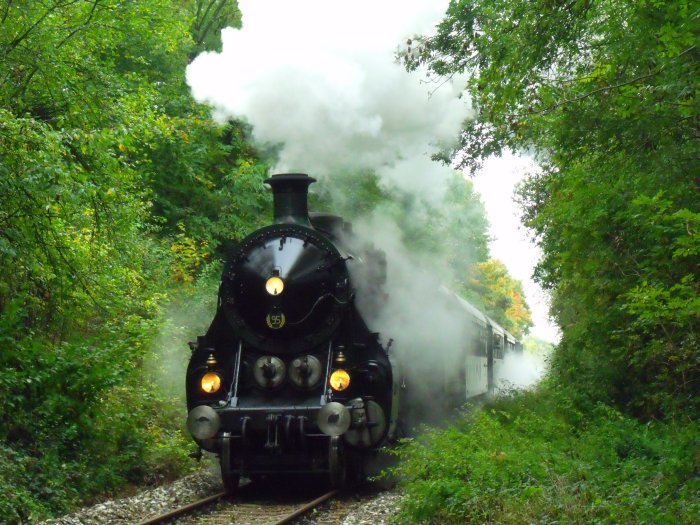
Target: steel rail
(306, 508)
(183, 510)
(210, 499)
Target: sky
(321, 78)
(510, 241)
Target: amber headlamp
(211, 381)
(339, 380)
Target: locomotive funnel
(290, 193)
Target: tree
(604, 94)
(98, 132)
(210, 17)
(501, 296)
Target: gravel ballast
(368, 507)
(146, 503)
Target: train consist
(289, 378)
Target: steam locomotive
(289, 378)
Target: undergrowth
(538, 457)
(87, 418)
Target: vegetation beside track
(603, 94)
(549, 456)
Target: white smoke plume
(319, 77)
(419, 315)
(428, 328)
(186, 317)
(521, 370)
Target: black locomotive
(289, 378)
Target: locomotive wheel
(229, 478)
(337, 463)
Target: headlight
(340, 380)
(274, 285)
(211, 382)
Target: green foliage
(209, 179)
(631, 302)
(210, 17)
(84, 416)
(570, 77)
(81, 418)
(65, 62)
(604, 93)
(62, 226)
(537, 347)
(350, 194)
(114, 188)
(542, 457)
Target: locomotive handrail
(324, 396)
(233, 391)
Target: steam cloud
(430, 330)
(420, 317)
(319, 77)
(521, 370)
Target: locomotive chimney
(290, 192)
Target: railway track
(218, 509)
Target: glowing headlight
(211, 382)
(340, 380)
(274, 285)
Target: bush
(86, 416)
(539, 457)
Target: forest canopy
(605, 95)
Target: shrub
(536, 457)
